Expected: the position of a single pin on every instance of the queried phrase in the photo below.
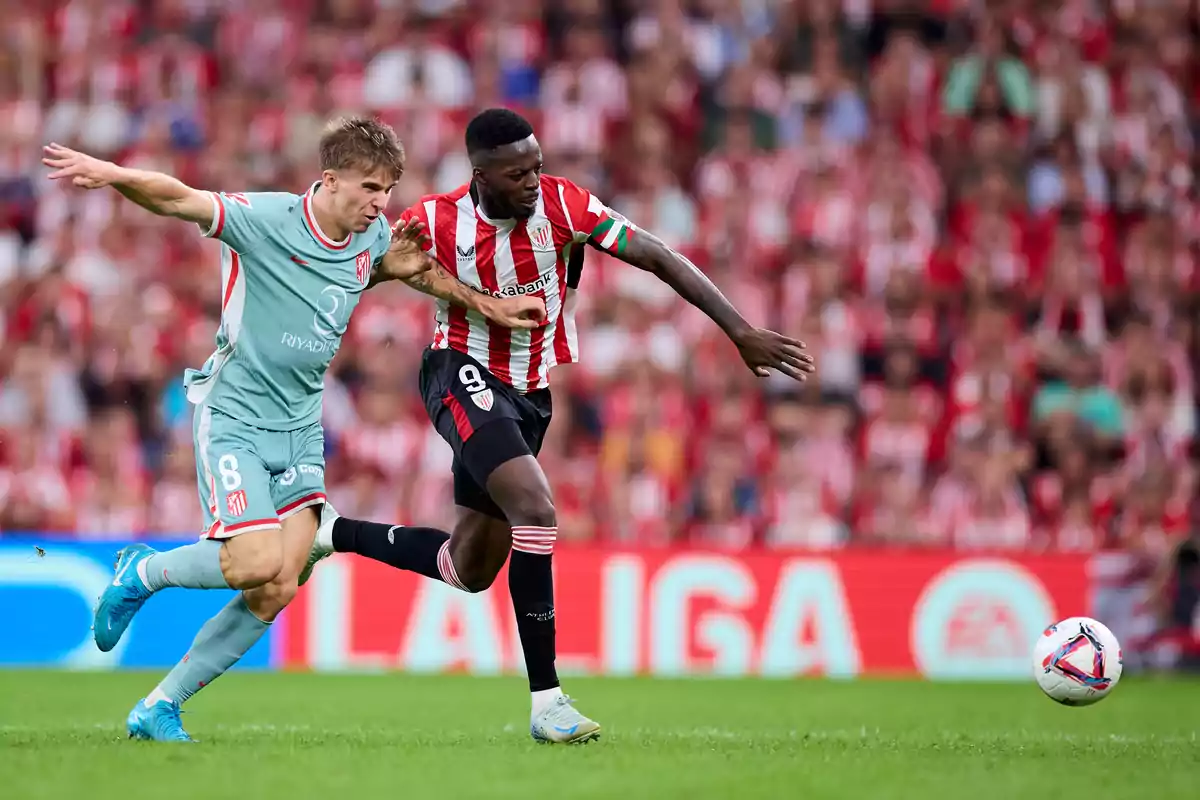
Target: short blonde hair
(364, 144)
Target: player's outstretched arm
(158, 193)
(761, 349)
(406, 261)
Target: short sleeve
(592, 221)
(238, 219)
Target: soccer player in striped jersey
(294, 268)
(516, 232)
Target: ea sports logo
(975, 620)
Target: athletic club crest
(484, 399)
(362, 265)
(541, 237)
(236, 501)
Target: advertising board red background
(665, 612)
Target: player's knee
(254, 560)
(532, 509)
(477, 580)
(472, 566)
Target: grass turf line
(307, 736)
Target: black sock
(413, 549)
(531, 584)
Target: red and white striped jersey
(539, 256)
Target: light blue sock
(220, 643)
(193, 566)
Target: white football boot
(323, 543)
(560, 723)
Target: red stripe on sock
(534, 540)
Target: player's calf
(267, 601)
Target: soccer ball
(1077, 662)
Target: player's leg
(296, 493)
(242, 545)
(520, 489)
(468, 559)
(236, 628)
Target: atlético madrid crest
(541, 237)
(236, 501)
(362, 265)
(484, 399)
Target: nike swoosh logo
(300, 261)
(567, 731)
(123, 570)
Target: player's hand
(765, 350)
(84, 171)
(525, 312)
(406, 257)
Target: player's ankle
(543, 698)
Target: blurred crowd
(982, 216)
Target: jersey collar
(310, 221)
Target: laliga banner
(672, 613)
(654, 612)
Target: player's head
(361, 160)
(506, 160)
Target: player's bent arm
(164, 195)
(437, 282)
(647, 252)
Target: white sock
(157, 696)
(542, 699)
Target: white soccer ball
(1077, 662)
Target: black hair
(496, 127)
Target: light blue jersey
(287, 294)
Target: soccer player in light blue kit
(293, 270)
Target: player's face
(511, 179)
(361, 196)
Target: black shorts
(485, 421)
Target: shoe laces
(170, 719)
(563, 708)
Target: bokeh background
(982, 217)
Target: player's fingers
(793, 342)
(792, 351)
(411, 230)
(793, 372)
(804, 365)
(536, 311)
(524, 323)
(762, 372)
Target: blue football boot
(122, 598)
(156, 723)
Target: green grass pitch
(399, 736)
